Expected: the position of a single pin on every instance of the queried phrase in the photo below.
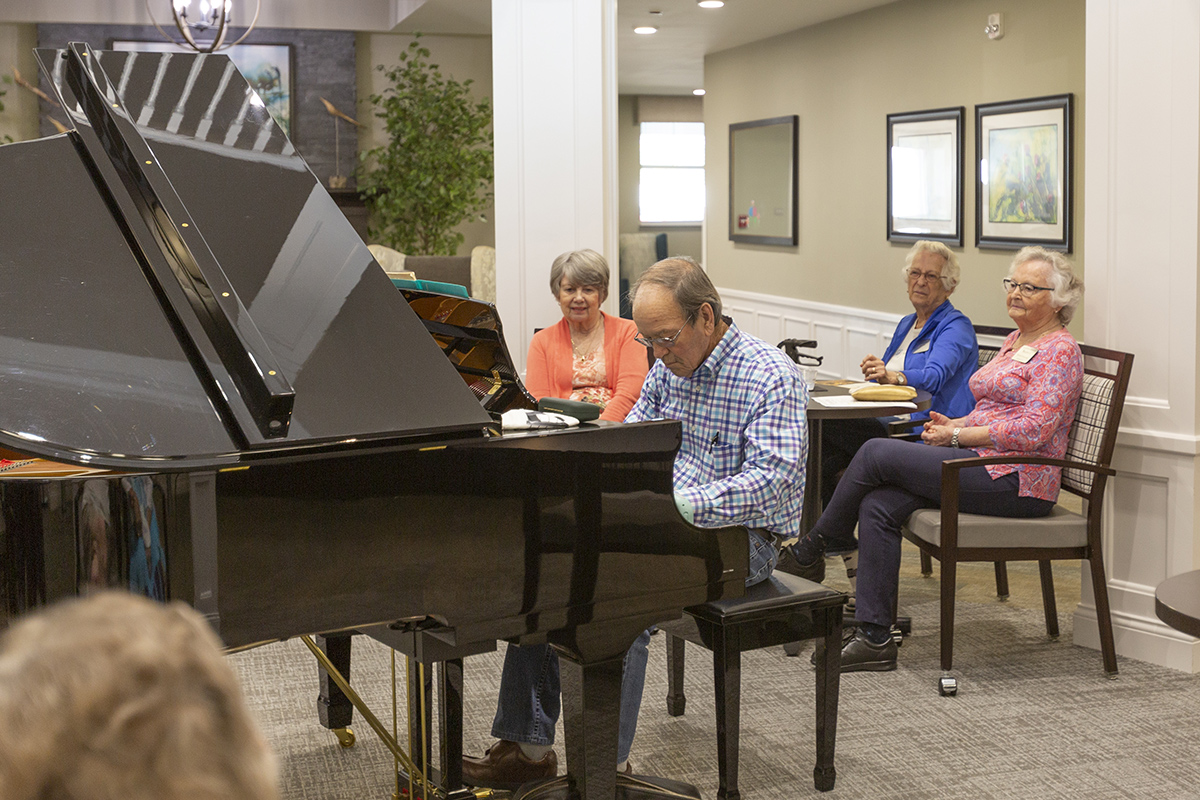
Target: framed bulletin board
(762, 181)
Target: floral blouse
(1028, 408)
(589, 382)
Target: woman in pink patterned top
(1025, 401)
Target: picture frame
(925, 176)
(763, 190)
(1024, 172)
(268, 68)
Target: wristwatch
(901, 379)
(954, 437)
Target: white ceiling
(672, 60)
(668, 62)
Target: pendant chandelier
(210, 18)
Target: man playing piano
(742, 406)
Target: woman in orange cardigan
(588, 355)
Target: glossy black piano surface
(289, 448)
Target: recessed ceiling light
(711, 3)
(645, 30)
(698, 92)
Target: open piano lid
(177, 288)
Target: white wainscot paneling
(843, 334)
(861, 341)
(830, 338)
(746, 316)
(1148, 498)
(797, 327)
(770, 326)
(1136, 549)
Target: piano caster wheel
(947, 686)
(345, 737)
(793, 649)
(897, 636)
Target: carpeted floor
(1033, 718)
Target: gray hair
(582, 268)
(1066, 287)
(133, 698)
(688, 282)
(950, 270)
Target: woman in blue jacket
(933, 348)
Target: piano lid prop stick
(358, 703)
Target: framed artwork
(267, 68)
(924, 176)
(762, 181)
(1023, 181)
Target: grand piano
(253, 420)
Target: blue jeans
(529, 705)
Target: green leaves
(436, 170)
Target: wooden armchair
(951, 537)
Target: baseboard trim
(1140, 638)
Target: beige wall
(19, 118)
(843, 78)
(460, 57)
(681, 241)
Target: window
(671, 186)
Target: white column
(555, 94)
(1142, 179)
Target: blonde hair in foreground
(117, 697)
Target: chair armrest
(950, 482)
(902, 429)
(953, 465)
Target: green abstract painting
(1023, 174)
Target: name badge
(1024, 354)
(923, 347)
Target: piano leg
(333, 707)
(450, 719)
(591, 714)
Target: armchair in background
(476, 273)
(638, 251)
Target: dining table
(832, 400)
(1177, 602)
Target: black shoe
(860, 654)
(813, 571)
(847, 635)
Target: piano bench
(781, 610)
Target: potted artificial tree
(436, 169)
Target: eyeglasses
(915, 276)
(663, 341)
(567, 289)
(1026, 289)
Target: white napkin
(520, 419)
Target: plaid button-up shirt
(745, 434)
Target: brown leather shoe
(504, 766)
